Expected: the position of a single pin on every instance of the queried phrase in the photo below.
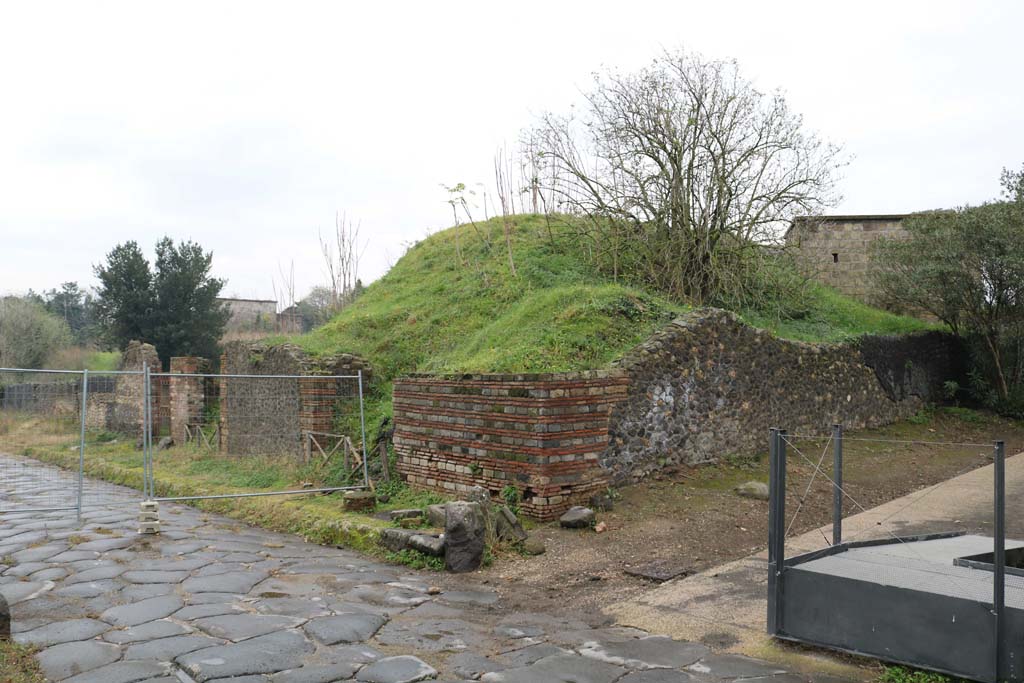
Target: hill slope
(430, 313)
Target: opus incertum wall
(541, 433)
(705, 386)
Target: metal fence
(921, 579)
(175, 437)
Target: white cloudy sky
(247, 125)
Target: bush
(29, 335)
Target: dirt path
(690, 519)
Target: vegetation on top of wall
(433, 313)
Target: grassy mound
(435, 312)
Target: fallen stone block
(395, 540)
(464, 533)
(394, 515)
(354, 501)
(757, 490)
(577, 517)
(428, 544)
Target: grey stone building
(835, 250)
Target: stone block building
(836, 250)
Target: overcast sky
(246, 126)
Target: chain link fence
(175, 437)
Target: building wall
(541, 433)
(251, 315)
(836, 251)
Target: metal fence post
(837, 484)
(776, 530)
(999, 558)
(81, 441)
(362, 426)
(146, 432)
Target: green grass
(833, 317)
(103, 360)
(18, 663)
(433, 313)
(902, 674)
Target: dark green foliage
(966, 267)
(172, 306)
(902, 674)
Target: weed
(18, 663)
(415, 560)
(510, 494)
(966, 414)
(902, 674)
(923, 416)
(77, 539)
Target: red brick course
(542, 433)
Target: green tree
(965, 266)
(172, 305)
(125, 301)
(76, 307)
(188, 319)
(29, 335)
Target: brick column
(187, 395)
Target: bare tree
(506, 197)
(688, 169)
(342, 253)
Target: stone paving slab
(210, 599)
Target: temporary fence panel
(934, 597)
(53, 424)
(237, 435)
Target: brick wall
(542, 433)
(187, 395)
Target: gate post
(776, 528)
(362, 426)
(999, 559)
(81, 440)
(837, 484)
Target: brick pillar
(317, 396)
(187, 395)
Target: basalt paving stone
(217, 568)
(524, 656)
(401, 669)
(166, 649)
(472, 665)
(733, 666)
(517, 632)
(345, 628)
(38, 554)
(95, 574)
(143, 611)
(24, 590)
(215, 609)
(471, 597)
(658, 676)
(187, 563)
(153, 630)
(210, 598)
(328, 673)
(379, 595)
(238, 627)
(25, 568)
(181, 548)
(104, 544)
(69, 659)
(62, 632)
(244, 558)
(432, 610)
(617, 634)
(49, 574)
(651, 652)
(559, 669)
(223, 583)
(91, 589)
(435, 635)
(86, 565)
(294, 607)
(262, 655)
(133, 592)
(154, 576)
(123, 672)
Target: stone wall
(250, 315)
(270, 415)
(126, 408)
(187, 395)
(835, 250)
(708, 385)
(541, 433)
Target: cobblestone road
(210, 599)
